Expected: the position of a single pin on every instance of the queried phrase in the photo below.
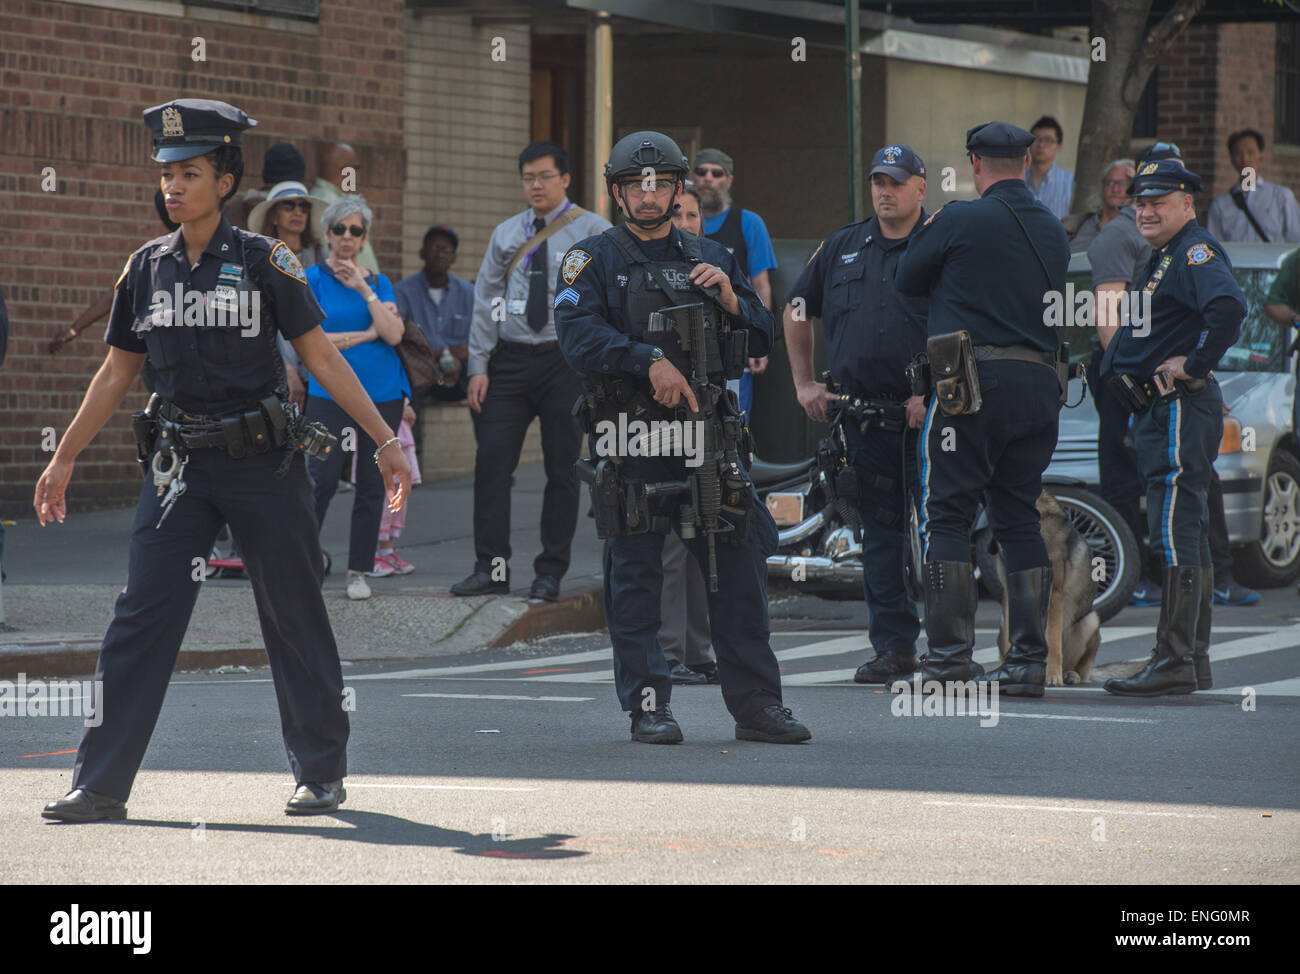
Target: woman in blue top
(365, 331)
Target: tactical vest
(731, 235)
(251, 364)
(656, 284)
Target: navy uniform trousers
(275, 525)
(1177, 440)
(892, 620)
(998, 454)
(634, 575)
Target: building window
(299, 9)
(1145, 117)
(1287, 105)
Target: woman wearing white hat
(288, 213)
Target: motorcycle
(813, 502)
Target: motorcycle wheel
(1106, 533)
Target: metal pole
(602, 130)
(853, 85)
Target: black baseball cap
(443, 230)
(898, 162)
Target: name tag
(225, 298)
(517, 307)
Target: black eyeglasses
(301, 206)
(706, 171)
(339, 229)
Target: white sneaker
(357, 588)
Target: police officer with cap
(609, 290)
(1197, 309)
(872, 333)
(224, 445)
(987, 266)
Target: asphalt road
(515, 766)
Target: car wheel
(1274, 560)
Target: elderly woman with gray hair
(1083, 228)
(366, 332)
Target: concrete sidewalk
(63, 580)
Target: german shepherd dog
(1073, 629)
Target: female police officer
(205, 303)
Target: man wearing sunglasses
(744, 235)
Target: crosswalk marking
(498, 696)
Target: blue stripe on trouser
(925, 475)
(1173, 433)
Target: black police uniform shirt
(1196, 308)
(210, 357)
(872, 332)
(980, 271)
(591, 322)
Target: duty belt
(257, 430)
(1182, 387)
(1015, 353)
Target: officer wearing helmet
(610, 306)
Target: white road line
(1288, 638)
(1275, 688)
(816, 678)
(498, 696)
(371, 784)
(1108, 720)
(591, 656)
(1068, 808)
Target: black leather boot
(1171, 668)
(1201, 649)
(949, 622)
(1024, 672)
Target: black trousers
(278, 539)
(998, 453)
(527, 381)
(368, 506)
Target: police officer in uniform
(609, 285)
(205, 303)
(987, 265)
(872, 333)
(1196, 312)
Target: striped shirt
(1055, 190)
(491, 285)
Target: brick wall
(1216, 80)
(74, 79)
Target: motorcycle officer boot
(1172, 668)
(1024, 672)
(1201, 648)
(949, 622)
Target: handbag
(416, 355)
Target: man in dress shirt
(1051, 185)
(1266, 212)
(516, 372)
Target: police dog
(1073, 629)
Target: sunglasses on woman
(302, 206)
(339, 229)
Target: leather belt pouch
(956, 379)
(233, 430)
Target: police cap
(998, 140)
(189, 127)
(635, 153)
(898, 162)
(1157, 151)
(1164, 176)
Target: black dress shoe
(545, 587)
(773, 725)
(710, 672)
(885, 668)
(312, 798)
(655, 726)
(481, 583)
(684, 676)
(80, 805)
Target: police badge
(891, 154)
(1199, 254)
(171, 123)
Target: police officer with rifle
(657, 320)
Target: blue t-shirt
(376, 363)
(757, 242)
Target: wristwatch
(656, 354)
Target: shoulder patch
(816, 252)
(930, 219)
(284, 260)
(1199, 253)
(125, 269)
(574, 262)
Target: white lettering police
(224, 307)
